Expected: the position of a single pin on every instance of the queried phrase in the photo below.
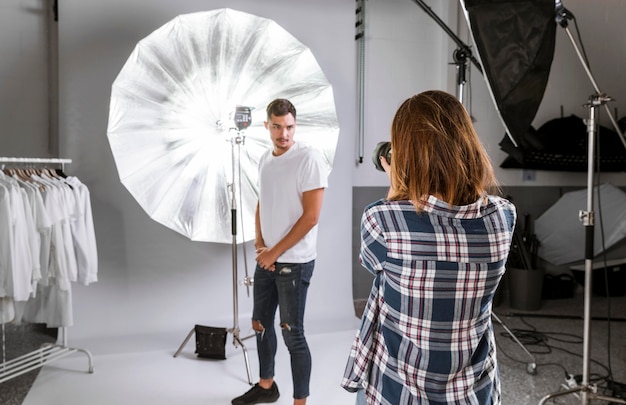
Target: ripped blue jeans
(284, 288)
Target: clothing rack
(47, 352)
(34, 160)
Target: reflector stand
(588, 391)
(235, 142)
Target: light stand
(460, 59)
(461, 56)
(242, 121)
(588, 391)
(237, 341)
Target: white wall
(154, 280)
(23, 79)
(151, 278)
(400, 61)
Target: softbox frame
(515, 40)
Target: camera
(381, 149)
(243, 117)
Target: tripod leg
(559, 394)
(245, 356)
(185, 341)
(610, 400)
(532, 366)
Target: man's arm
(258, 239)
(311, 207)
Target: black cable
(540, 341)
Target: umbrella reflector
(561, 234)
(172, 129)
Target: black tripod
(588, 391)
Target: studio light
(198, 81)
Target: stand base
(588, 395)
(531, 368)
(237, 341)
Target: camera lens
(381, 149)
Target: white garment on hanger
(6, 310)
(19, 286)
(47, 241)
(42, 228)
(84, 234)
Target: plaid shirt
(426, 335)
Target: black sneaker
(258, 395)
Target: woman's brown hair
(436, 151)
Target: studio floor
(143, 369)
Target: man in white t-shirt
(292, 179)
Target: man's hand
(266, 258)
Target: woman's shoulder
(383, 205)
(504, 207)
(501, 202)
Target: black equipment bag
(211, 342)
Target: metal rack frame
(48, 352)
(38, 358)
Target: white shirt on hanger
(84, 234)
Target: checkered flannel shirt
(426, 335)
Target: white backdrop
(154, 280)
(151, 278)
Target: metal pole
(360, 38)
(233, 211)
(233, 217)
(237, 341)
(587, 218)
(588, 392)
(52, 25)
(594, 84)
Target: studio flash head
(243, 117)
(381, 149)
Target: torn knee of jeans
(285, 326)
(257, 326)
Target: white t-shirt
(282, 180)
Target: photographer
(437, 246)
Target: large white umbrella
(172, 117)
(561, 234)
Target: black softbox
(515, 41)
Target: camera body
(381, 149)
